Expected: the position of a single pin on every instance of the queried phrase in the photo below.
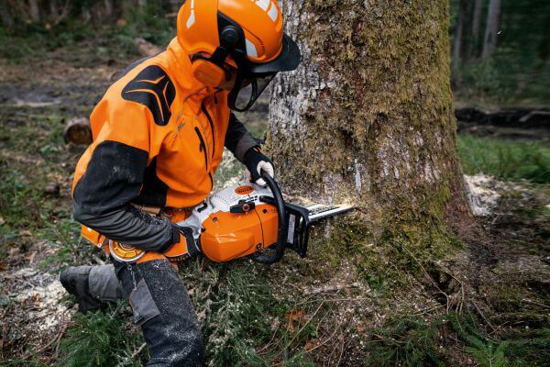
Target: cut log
(519, 118)
(78, 131)
(146, 48)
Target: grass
(506, 160)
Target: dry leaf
(30, 257)
(311, 344)
(293, 316)
(25, 233)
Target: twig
(341, 353)
(483, 316)
(535, 303)
(272, 338)
(425, 311)
(98, 260)
(331, 288)
(51, 342)
(306, 324)
(134, 355)
(336, 300)
(429, 277)
(59, 339)
(326, 340)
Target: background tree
(368, 116)
(476, 24)
(492, 29)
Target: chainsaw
(243, 220)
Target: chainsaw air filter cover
(239, 224)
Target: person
(159, 133)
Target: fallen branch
(134, 355)
(331, 288)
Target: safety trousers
(161, 307)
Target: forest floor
(489, 305)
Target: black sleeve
(131, 226)
(103, 194)
(238, 140)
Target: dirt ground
(501, 275)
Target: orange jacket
(158, 136)
(161, 110)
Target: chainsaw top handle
(279, 247)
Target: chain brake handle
(279, 202)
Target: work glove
(256, 161)
(177, 233)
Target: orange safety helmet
(246, 35)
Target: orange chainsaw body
(228, 236)
(224, 235)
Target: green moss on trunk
(368, 117)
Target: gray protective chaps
(161, 306)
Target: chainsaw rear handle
(279, 247)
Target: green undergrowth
(241, 313)
(506, 160)
(448, 340)
(103, 339)
(107, 39)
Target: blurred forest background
(500, 51)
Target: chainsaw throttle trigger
(242, 207)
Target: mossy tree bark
(368, 116)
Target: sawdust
(33, 311)
(484, 193)
(47, 313)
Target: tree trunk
(54, 10)
(5, 15)
(108, 7)
(493, 22)
(459, 34)
(476, 23)
(34, 11)
(368, 116)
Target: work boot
(76, 281)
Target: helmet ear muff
(208, 73)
